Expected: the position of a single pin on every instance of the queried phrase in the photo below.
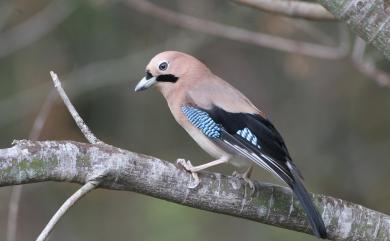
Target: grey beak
(144, 83)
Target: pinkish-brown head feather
(194, 84)
(182, 66)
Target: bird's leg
(195, 169)
(246, 176)
(187, 166)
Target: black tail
(315, 219)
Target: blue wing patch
(249, 136)
(202, 120)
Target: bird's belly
(212, 149)
(206, 144)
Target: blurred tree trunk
(370, 19)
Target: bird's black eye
(163, 66)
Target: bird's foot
(247, 180)
(189, 167)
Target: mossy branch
(114, 168)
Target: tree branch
(114, 168)
(290, 8)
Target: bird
(225, 124)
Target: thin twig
(65, 207)
(290, 8)
(37, 26)
(90, 184)
(13, 210)
(239, 34)
(16, 191)
(79, 121)
(366, 66)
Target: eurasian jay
(224, 123)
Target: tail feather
(315, 219)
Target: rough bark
(67, 161)
(369, 19)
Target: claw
(185, 164)
(248, 181)
(196, 182)
(188, 167)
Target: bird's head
(171, 69)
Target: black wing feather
(270, 141)
(271, 153)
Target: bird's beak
(145, 83)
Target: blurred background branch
(240, 34)
(262, 39)
(367, 66)
(290, 8)
(40, 24)
(95, 75)
(5, 13)
(16, 191)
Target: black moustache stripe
(167, 78)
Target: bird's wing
(254, 137)
(248, 135)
